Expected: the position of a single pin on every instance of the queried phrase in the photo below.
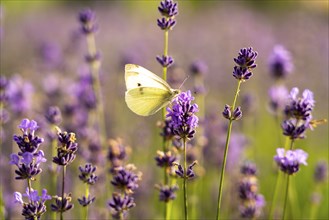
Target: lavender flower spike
(246, 58)
(168, 8)
(182, 115)
(280, 63)
(290, 161)
(300, 107)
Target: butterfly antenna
(188, 76)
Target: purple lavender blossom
(321, 172)
(189, 173)
(87, 174)
(298, 112)
(93, 58)
(248, 188)
(28, 164)
(294, 128)
(251, 202)
(84, 92)
(166, 24)
(246, 61)
(120, 204)
(62, 204)
(248, 169)
(289, 161)
(53, 115)
(87, 19)
(167, 193)
(199, 67)
(86, 201)
(117, 153)
(19, 94)
(246, 58)
(3, 89)
(280, 62)
(168, 8)
(51, 55)
(278, 98)
(300, 107)
(28, 142)
(241, 73)
(253, 209)
(66, 152)
(182, 115)
(35, 207)
(165, 61)
(227, 113)
(125, 180)
(167, 130)
(165, 159)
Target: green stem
(275, 195)
(30, 189)
(29, 185)
(100, 114)
(278, 180)
(95, 66)
(165, 142)
(184, 181)
(165, 52)
(164, 69)
(293, 199)
(286, 198)
(86, 207)
(220, 190)
(63, 189)
(53, 173)
(2, 208)
(315, 204)
(292, 144)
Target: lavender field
(235, 127)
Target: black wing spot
(141, 91)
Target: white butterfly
(146, 92)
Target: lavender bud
(167, 193)
(237, 114)
(166, 24)
(280, 63)
(53, 115)
(227, 112)
(168, 8)
(199, 67)
(289, 161)
(321, 172)
(246, 58)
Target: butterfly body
(146, 92)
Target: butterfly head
(175, 92)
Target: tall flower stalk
(242, 72)
(184, 122)
(54, 118)
(125, 179)
(88, 177)
(168, 9)
(28, 162)
(89, 28)
(298, 117)
(4, 117)
(66, 153)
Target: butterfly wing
(137, 76)
(147, 101)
